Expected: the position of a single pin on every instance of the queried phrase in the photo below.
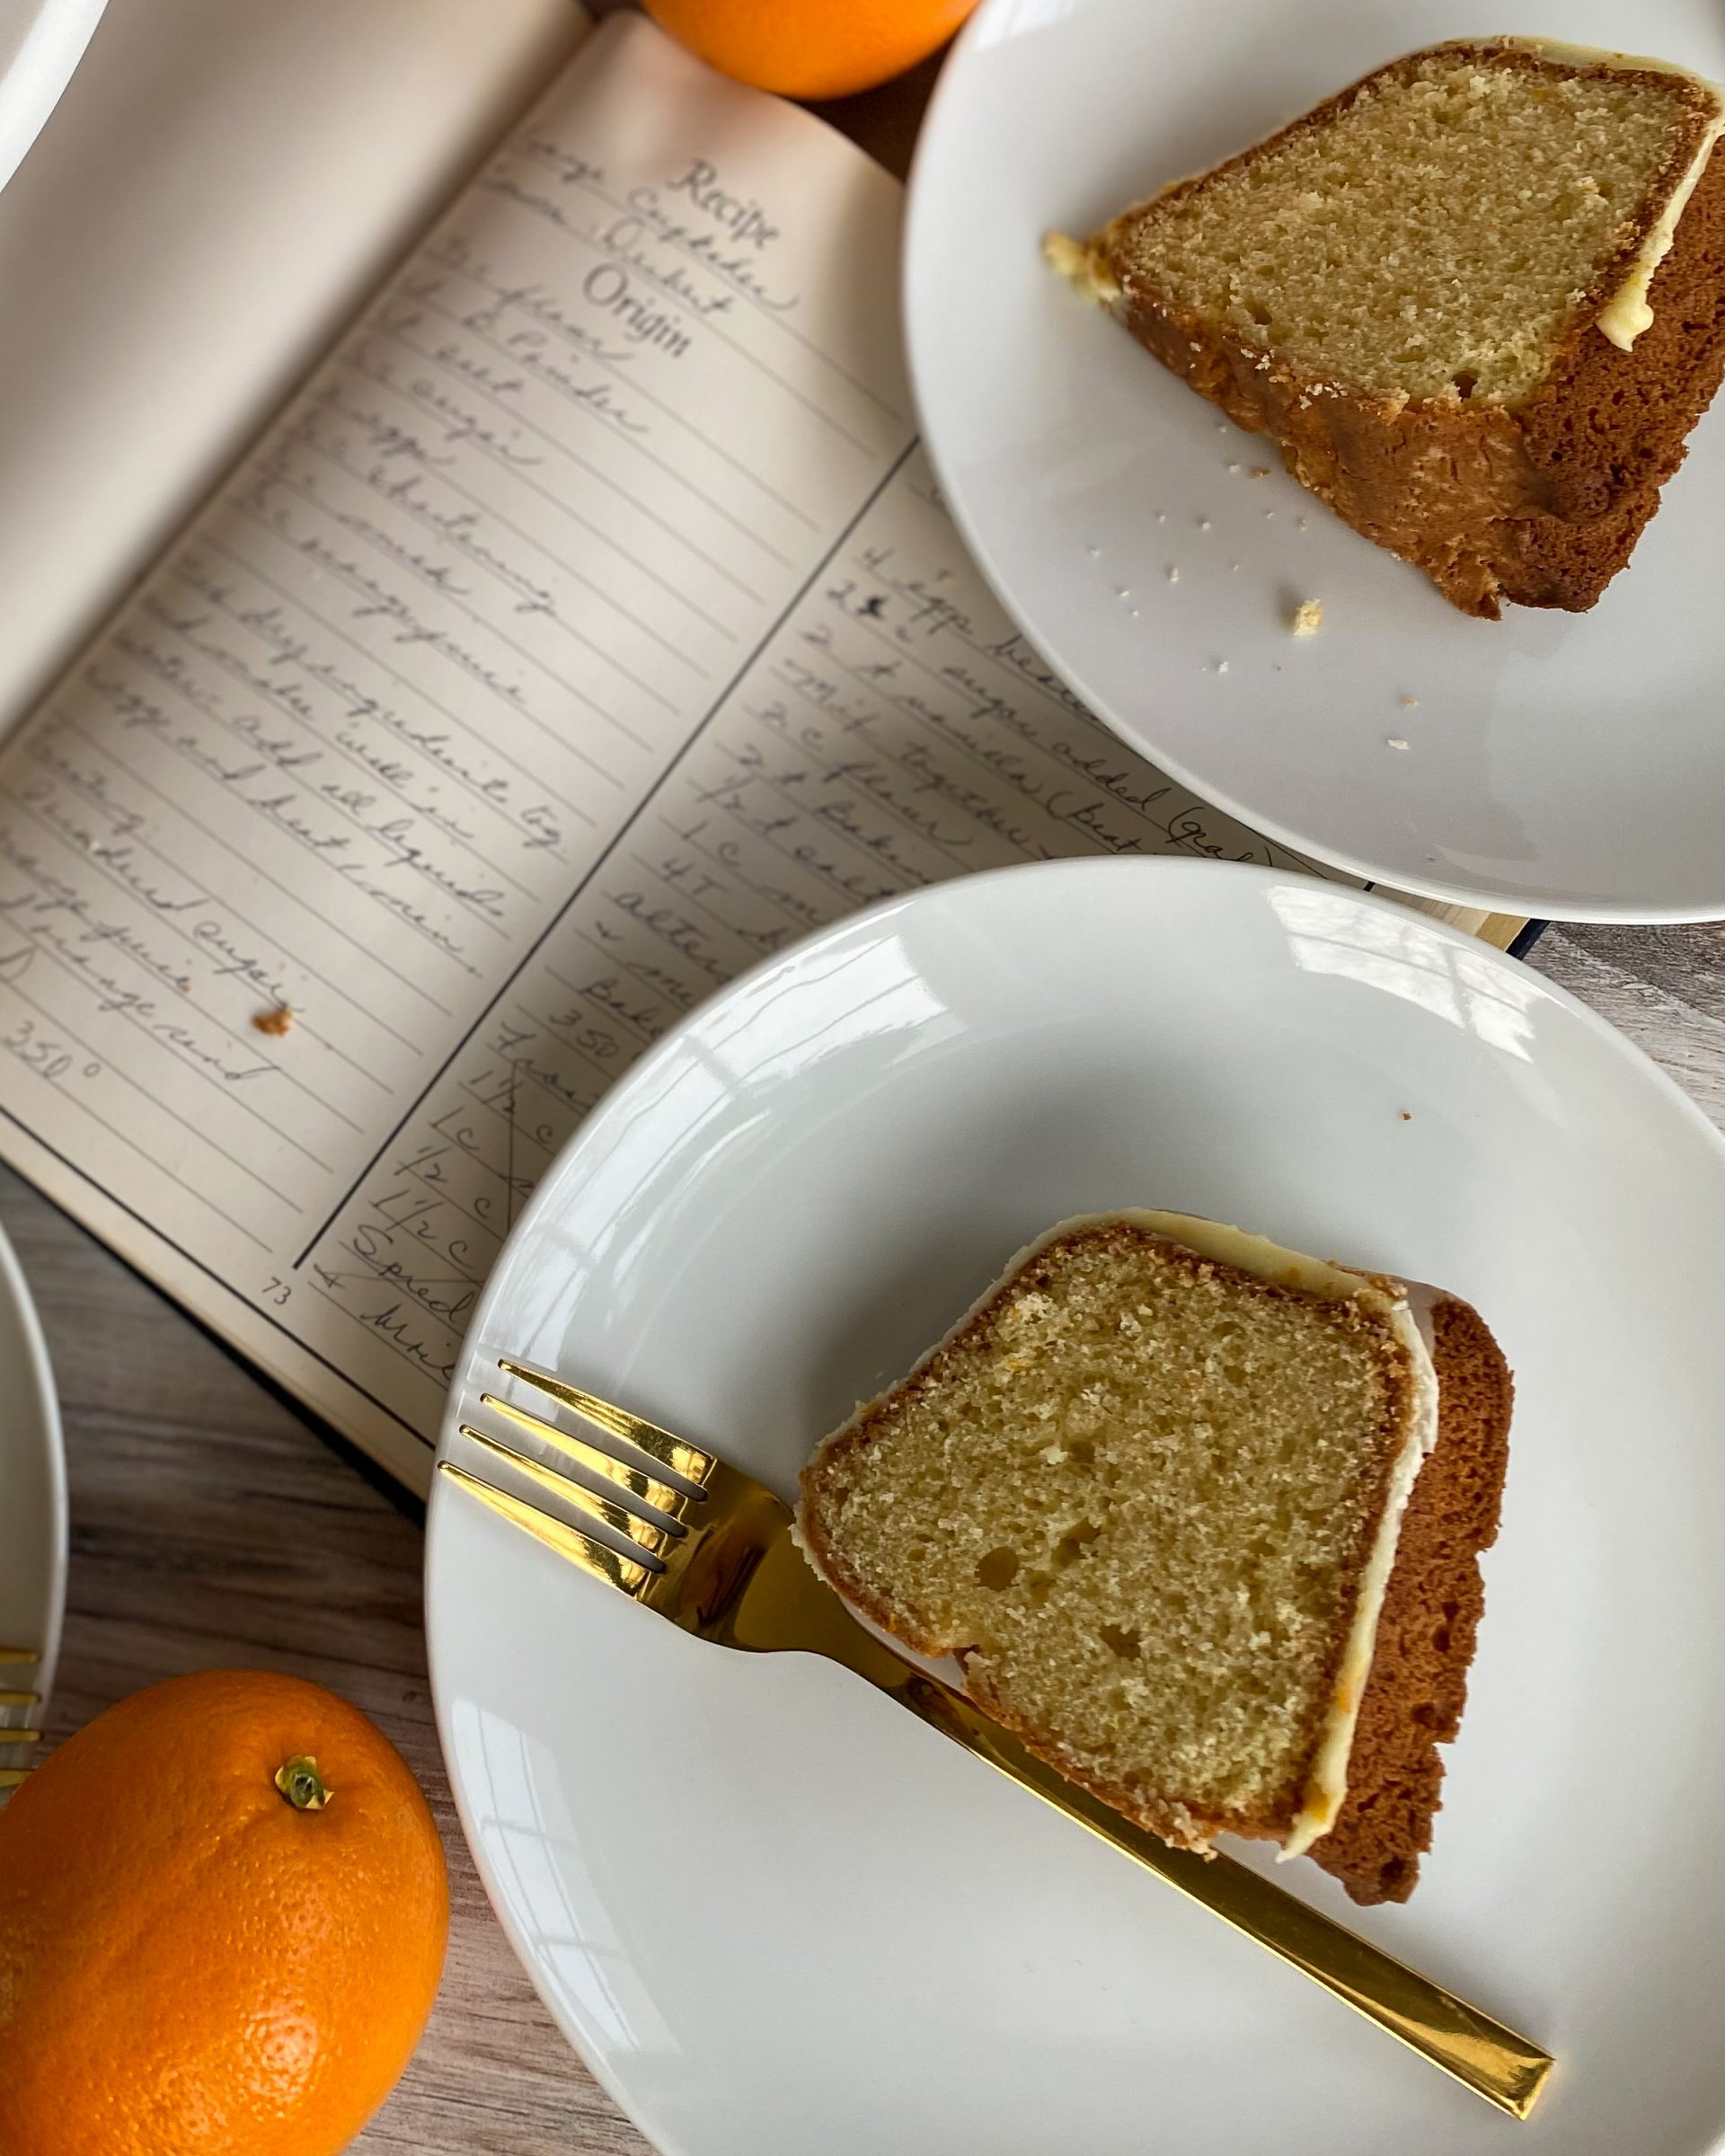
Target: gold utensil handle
(1504, 2068)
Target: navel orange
(812, 47)
(223, 1911)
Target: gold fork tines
(26, 1657)
(675, 1453)
(592, 1556)
(654, 1540)
(720, 1560)
(636, 1481)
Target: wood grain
(213, 1527)
(1663, 987)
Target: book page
(587, 630)
(220, 186)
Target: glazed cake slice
(1478, 301)
(1154, 1492)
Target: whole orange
(812, 47)
(223, 1913)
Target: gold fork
(19, 1656)
(706, 1546)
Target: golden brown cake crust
(1540, 504)
(1430, 1617)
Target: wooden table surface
(214, 1525)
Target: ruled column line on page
(255, 867)
(443, 1192)
(198, 1070)
(860, 725)
(219, 906)
(253, 1310)
(502, 1115)
(379, 429)
(495, 183)
(276, 822)
(574, 1048)
(398, 1277)
(671, 239)
(611, 957)
(1052, 693)
(835, 831)
(312, 548)
(674, 765)
(441, 477)
(301, 606)
(519, 1069)
(239, 1039)
(362, 528)
(524, 297)
(403, 854)
(511, 580)
(888, 807)
(236, 669)
(114, 1131)
(381, 600)
(615, 1017)
(948, 685)
(425, 401)
(437, 1374)
(111, 1068)
(754, 947)
(396, 333)
(802, 922)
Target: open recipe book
(584, 628)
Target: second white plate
(776, 1913)
(1549, 764)
(33, 1501)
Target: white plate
(1567, 764)
(42, 42)
(32, 1497)
(777, 1915)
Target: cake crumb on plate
(1308, 617)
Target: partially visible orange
(812, 47)
(190, 1962)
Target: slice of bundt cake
(1478, 300)
(1152, 1491)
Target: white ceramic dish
(32, 1497)
(41, 41)
(774, 1912)
(1550, 763)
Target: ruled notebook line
(587, 629)
(418, 736)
